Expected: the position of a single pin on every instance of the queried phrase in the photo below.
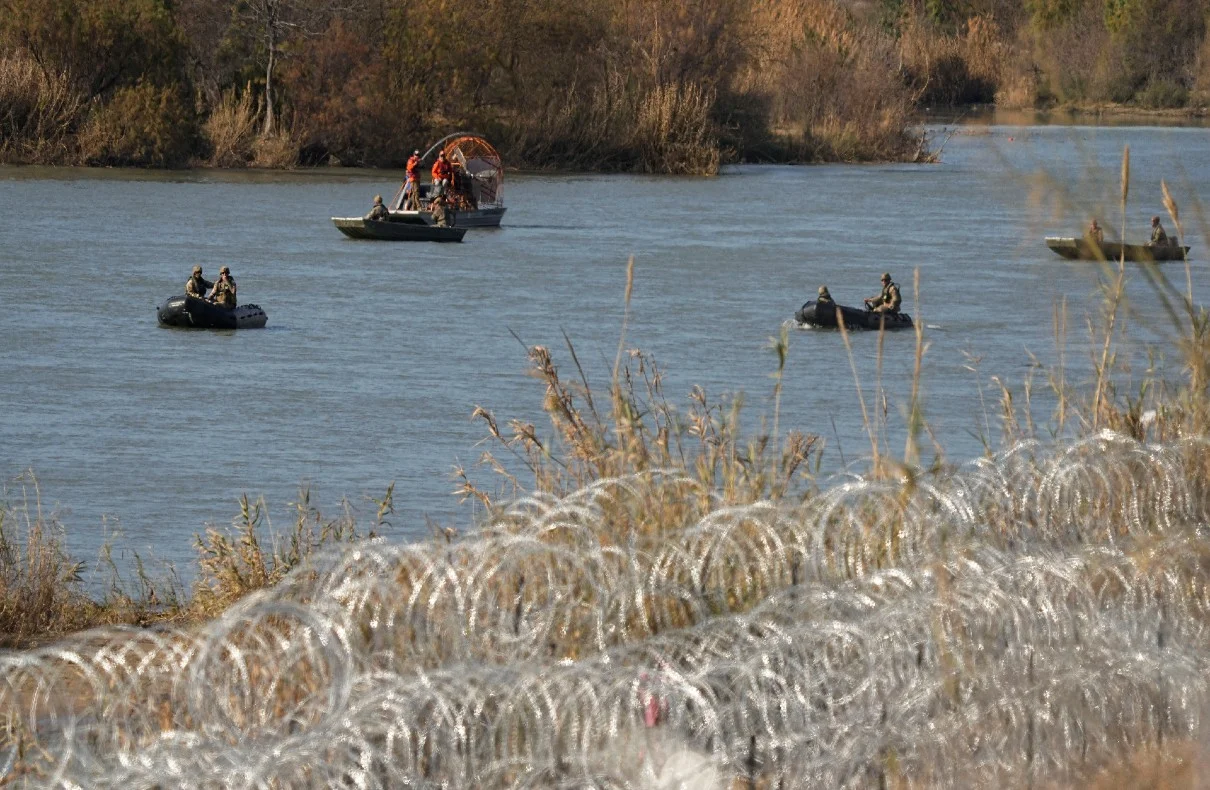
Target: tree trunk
(271, 36)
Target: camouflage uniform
(441, 217)
(889, 300)
(1158, 236)
(379, 212)
(197, 286)
(224, 291)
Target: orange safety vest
(414, 168)
(442, 169)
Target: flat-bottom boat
(824, 315)
(396, 229)
(1086, 250)
(189, 311)
(463, 218)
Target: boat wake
(1017, 621)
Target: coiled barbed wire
(1026, 617)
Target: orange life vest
(414, 168)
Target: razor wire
(1025, 617)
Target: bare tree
(277, 21)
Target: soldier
(224, 289)
(379, 211)
(1095, 233)
(824, 296)
(889, 300)
(197, 286)
(1158, 236)
(441, 217)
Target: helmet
(886, 276)
(823, 290)
(378, 198)
(225, 270)
(197, 270)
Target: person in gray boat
(197, 286)
(824, 296)
(441, 216)
(379, 211)
(1158, 237)
(1095, 232)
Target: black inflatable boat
(189, 311)
(824, 315)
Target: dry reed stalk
(1116, 294)
(865, 415)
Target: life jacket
(442, 169)
(414, 168)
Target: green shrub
(1164, 94)
(143, 125)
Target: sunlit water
(376, 353)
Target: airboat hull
(395, 230)
(1085, 250)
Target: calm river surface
(376, 353)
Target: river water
(377, 353)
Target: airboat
(1087, 250)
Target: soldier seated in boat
(1158, 237)
(441, 217)
(824, 296)
(443, 171)
(224, 289)
(197, 286)
(1094, 233)
(379, 211)
(888, 300)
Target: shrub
(230, 130)
(144, 125)
(1163, 94)
(38, 113)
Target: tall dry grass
(39, 113)
(231, 129)
(44, 593)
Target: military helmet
(225, 270)
(1155, 220)
(197, 271)
(886, 277)
(823, 290)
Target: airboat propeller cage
(479, 159)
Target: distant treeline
(649, 85)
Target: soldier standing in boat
(1158, 237)
(889, 300)
(379, 211)
(1094, 232)
(224, 289)
(197, 286)
(441, 217)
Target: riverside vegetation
(667, 86)
(661, 591)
